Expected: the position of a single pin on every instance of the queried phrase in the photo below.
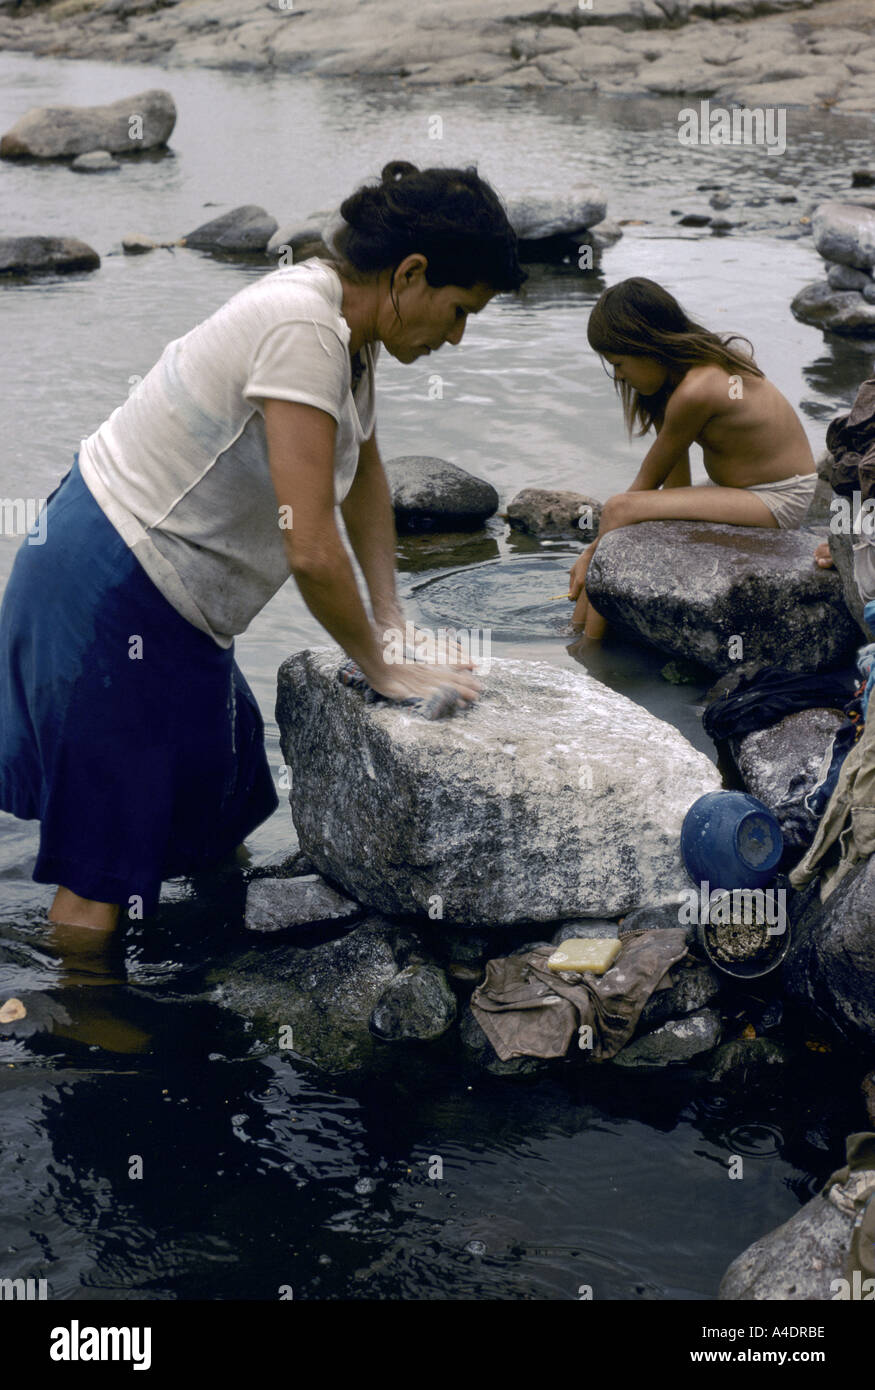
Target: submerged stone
(418, 1003)
(275, 904)
(552, 797)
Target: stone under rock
(748, 1064)
(838, 311)
(678, 1041)
(779, 765)
(136, 244)
(552, 512)
(797, 1261)
(45, 255)
(95, 162)
(845, 277)
(586, 926)
(431, 494)
(56, 132)
(692, 588)
(324, 994)
(244, 229)
(552, 797)
(831, 964)
(276, 904)
(418, 1003)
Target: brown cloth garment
(851, 441)
(852, 1190)
(526, 1010)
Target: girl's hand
(578, 571)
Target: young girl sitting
(693, 386)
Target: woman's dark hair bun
(451, 216)
(397, 169)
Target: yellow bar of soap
(593, 953)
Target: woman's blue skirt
(127, 732)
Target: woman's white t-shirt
(181, 468)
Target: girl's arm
(687, 412)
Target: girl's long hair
(638, 318)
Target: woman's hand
(395, 633)
(417, 680)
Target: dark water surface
(257, 1171)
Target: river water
(259, 1173)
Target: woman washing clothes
(126, 727)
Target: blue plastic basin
(731, 840)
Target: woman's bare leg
(72, 911)
(733, 506)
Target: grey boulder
(418, 1003)
(845, 232)
(838, 311)
(551, 797)
(538, 218)
(550, 512)
(247, 228)
(128, 126)
(430, 494)
(831, 963)
(692, 588)
(692, 986)
(797, 1261)
(779, 765)
(275, 904)
(43, 255)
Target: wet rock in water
(45, 255)
(275, 904)
(721, 199)
(128, 126)
(552, 795)
(294, 236)
(695, 219)
(845, 277)
(678, 1041)
(721, 224)
(831, 964)
(418, 1003)
(863, 178)
(747, 1064)
(682, 672)
(845, 232)
(324, 994)
(550, 512)
(539, 218)
(780, 765)
(838, 311)
(692, 986)
(481, 1052)
(841, 549)
(797, 1261)
(431, 494)
(136, 245)
(96, 162)
(714, 593)
(245, 229)
(603, 234)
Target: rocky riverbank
(753, 52)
